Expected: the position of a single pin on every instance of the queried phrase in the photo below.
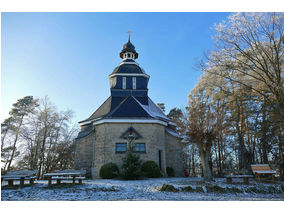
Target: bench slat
(265, 172)
(18, 178)
(239, 176)
(67, 178)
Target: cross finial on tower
(129, 34)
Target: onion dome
(128, 51)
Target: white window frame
(123, 82)
(133, 82)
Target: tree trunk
(281, 146)
(42, 149)
(204, 157)
(15, 143)
(3, 139)
(193, 161)
(264, 130)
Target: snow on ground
(102, 190)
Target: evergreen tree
(20, 109)
(131, 166)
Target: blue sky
(68, 56)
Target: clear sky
(68, 56)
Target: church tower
(128, 111)
(129, 78)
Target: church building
(128, 116)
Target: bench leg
(74, 179)
(32, 181)
(80, 181)
(10, 182)
(246, 180)
(22, 182)
(58, 181)
(229, 180)
(49, 181)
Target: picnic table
(21, 176)
(65, 175)
(262, 169)
(245, 178)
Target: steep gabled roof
(101, 111)
(129, 108)
(85, 131)
(154, 110)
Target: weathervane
(128, 34)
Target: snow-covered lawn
(134, 190)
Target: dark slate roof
(128, 68)
(129, 108)
(173, 133)
(101, 111)
(125, 107)
(85, 131)
(128, 47)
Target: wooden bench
(229, 178)
(60, 175)
(262, 169)
(21, 176)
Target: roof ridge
(124, 101)
(142, 105)
(117, 107)
(89, 118)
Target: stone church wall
(107, 135)
(174, 154)
(83, 153)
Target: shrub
(170, 171)
(109, 171)
(131, 166)
(150, 169)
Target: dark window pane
(140, 147)
(120, 147)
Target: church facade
(128, 117)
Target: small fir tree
(131, 166)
